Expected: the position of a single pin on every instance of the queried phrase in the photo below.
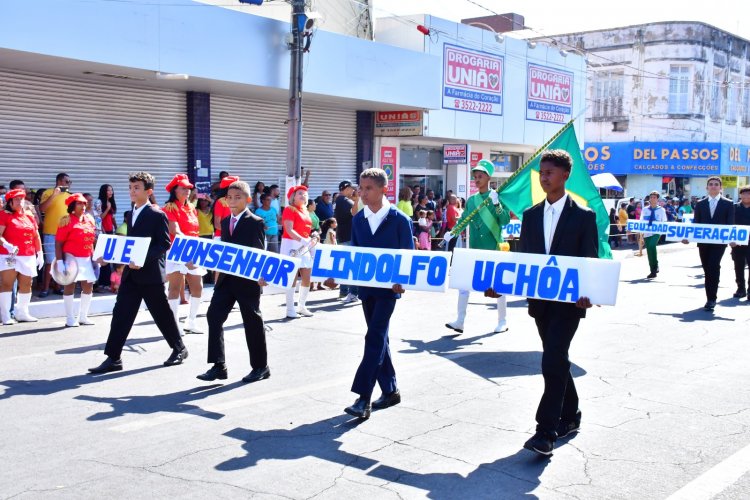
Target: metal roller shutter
(248, 138)
(95, 132)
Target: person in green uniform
(485, 233)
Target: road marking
(716, 479)
(155, 420)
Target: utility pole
(294, 120)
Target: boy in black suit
(143, 283)
(713, 209)
(242, 227)
(557, 226)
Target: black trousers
(711, 261)
(741, 258)
(221, 305)
(560, 399)
(376, 365)
(126, 308)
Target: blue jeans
(347, 289)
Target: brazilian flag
(522, 189)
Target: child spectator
(116, 278)
(423, 233)
(328, 231)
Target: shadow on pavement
(100, 347)
(317, 439)
(485, 364)
(514, 476)
(177, 402)
(18, 333)
(694, 315)
(47, 387)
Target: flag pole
(458, 228)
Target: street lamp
(499, 37)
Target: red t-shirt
(301, 222)
(186, 217)
(20, 230)
(77, 235)
(223, 211)
(452, 216)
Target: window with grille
(609, 93)
(733, 99)
(679, 89)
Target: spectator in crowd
(740, 253)
(638, 209)
(205, 218)
(416, 189)
(346, 208)
(52, 205)
(453, 212)
(421, 205)
(423, 230)
(685, 208)
(430, 202)
(76, 234)
(324, 206)
(631, 209)
(622, 218)
(670, 211)
(20, 256)
(116, 278)
(614, 232)
(216, 186)
(271, 220)
(404, 201)
(328, 232)
(183, 220)
(313, 216)
(275, 201)
(257, 191)
(105, 208)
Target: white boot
(174, 305)
(22, 308)
(83, 314)
(70, 310)
(190, 326)
(5, 299)
(301, 309)
(502, 325)
(290, 311)
(463, 301)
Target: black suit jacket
(576, 235)
(250, 232)
(724, 214)
(151, 223)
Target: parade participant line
(716, 479)
(154, 421)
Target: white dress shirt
(551, 218)
(376, 218)
(712, 202)
(136, 213)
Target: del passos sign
(472, 80)
(684, 159)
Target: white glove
(60, 266)
(494, 197)
(40, 260)
(448, 237)
(305, 241)
(10, 247)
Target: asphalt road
(663, 388)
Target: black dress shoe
(177, 357)
(387, 400)
(218, 371)
(568, 427)
(257, 374)
(651, 276)
(541, 443)
(710, 305)
(739, 293)
(109, 365)
(360, 409)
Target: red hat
(74, 198)
(15, 193)
(179, 180)
(227, 181)
(293, 190)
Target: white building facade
(668, 106)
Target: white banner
(237, 260)
(537, 276)
(121, 249)
(381, 267)
(512, 229)
(719, 234)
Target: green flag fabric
(522, 190)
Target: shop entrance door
(424, 180)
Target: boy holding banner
(485, 233)
(378, 225)
(557, 226)
(143, 283)
(242, 227)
